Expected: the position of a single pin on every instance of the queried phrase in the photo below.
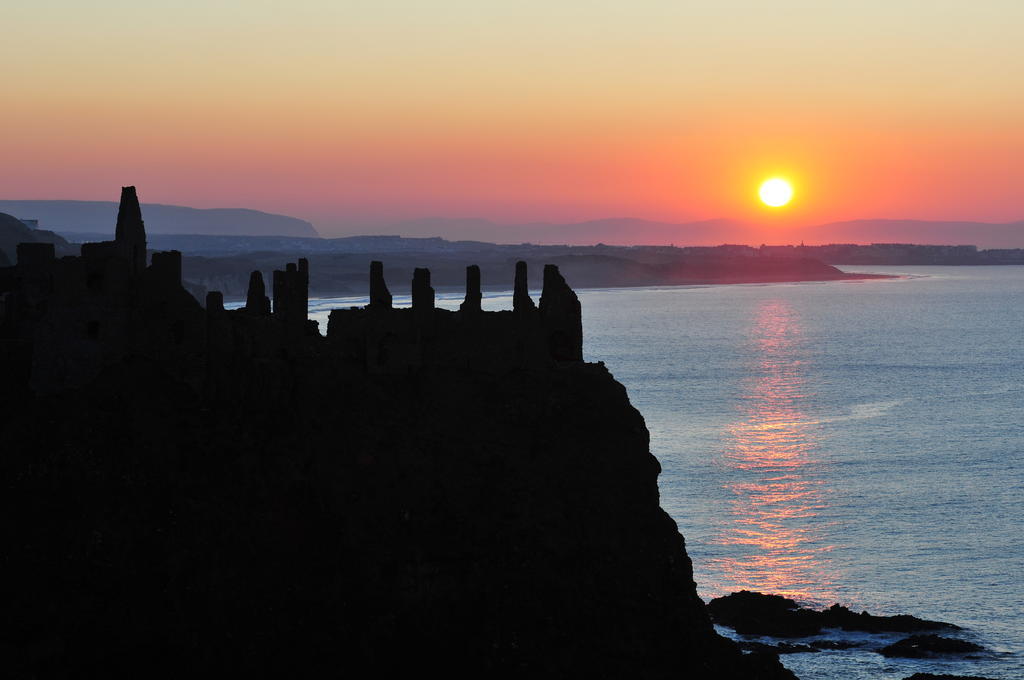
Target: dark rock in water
(933, 676)
(753, 613)
(750, 613)
(927, 646)
(838, 616)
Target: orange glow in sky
(351, 114)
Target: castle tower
(561, 317)
(422, 292)
(291, 295)
(256, 300)
(473, 296)
(131, 231)
(521, 300)
(380, 296)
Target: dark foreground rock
(751, 613)
(449, 521)
(928, 646)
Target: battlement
(77, 315)
(389, 340)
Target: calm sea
(854, 442)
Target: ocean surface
(858, 442)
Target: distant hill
(100, 216)
(612, 231)
(981, 234)
(13, 232)
(96, 218)
(630, 231)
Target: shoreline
(458, 290)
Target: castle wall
(82, 314)
(385, 340)
(74, 316)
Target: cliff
(419, 491)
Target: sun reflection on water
(775, 541)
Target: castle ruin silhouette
(63, 320)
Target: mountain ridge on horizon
(75, 216)
(78, 216)
(717, 231)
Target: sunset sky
(361, 113)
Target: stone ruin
(389, 340)
(63, 320)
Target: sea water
(859, 442)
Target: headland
(196, 489)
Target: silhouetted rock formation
(750, 613)
(419, 491)
(929, 646)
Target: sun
(775, 192)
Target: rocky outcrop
(421, 491)
(751, 613)
(928, 647)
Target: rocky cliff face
(445, 520)
(377, 501)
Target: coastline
(450, 292)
